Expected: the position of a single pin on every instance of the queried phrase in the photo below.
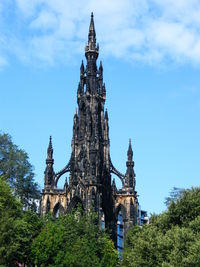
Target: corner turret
(49, 171)
(130, 174)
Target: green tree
(174, 195)
(17, 228)
(18, 172)
(171, 239)
(73, 240)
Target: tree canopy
(73, 240)
(171, 239)
(18, 172)
(17, 228)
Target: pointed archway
(74, 204)
(58, 210)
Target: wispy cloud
(3, 62)
(49, 31)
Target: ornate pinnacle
(130, 174)
(91, 46)
(49, 172)
(106, 115)
(50, 150)
(82, 69)
(101, 70)
(92, 33)
(130, 152)
(114, 188)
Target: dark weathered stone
(90, 165)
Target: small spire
(82, 69)
(91, 46)
(130, 151)
(130, 174)
(79, 89)
(50, 149)
(106, 115)
(114, 188)
(92, 33)
(101, 66)
(50, 140)
(49, 172)
(101, 70)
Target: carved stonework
(90, 165)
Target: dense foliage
(18, 172)
(17, 228)
(73, 240)
(171, 239)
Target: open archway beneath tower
(74, 204)
(120, 215)
(58, 210)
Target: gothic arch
(74, 203)
(121, 208)
(120, 216)
(58, 210)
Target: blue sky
(151, 58)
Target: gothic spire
(106, 115)
(101, 71)
(92, 33)
(82, 69)
(130, 174)
(50, 150)
(49, 172)
(130, 151)
(114, 188)
(91, 49)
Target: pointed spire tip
(50, 140)
(130, 151)
(106, 114)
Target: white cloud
(45, 21)
(3, 62)
(139, 30)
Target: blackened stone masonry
(90, 166)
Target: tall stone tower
(90, 166)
